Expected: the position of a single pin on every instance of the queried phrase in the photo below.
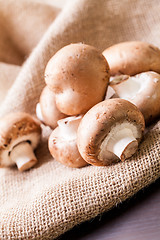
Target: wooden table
(135, 219)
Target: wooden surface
(135, 219)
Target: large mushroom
(109, 131)
(19, 136)
(46, 109)
(63, 142)
(143, 90)
(78, 74)
(132, 57)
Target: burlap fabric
(50, 199)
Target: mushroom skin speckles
(63, 143)
(78, 74)
(19, 136)
(143, 90)
(110, 130)
(132, 57)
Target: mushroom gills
(68, 127)
(121, 141)
(22, 154)
(129, 88)
(110, 92)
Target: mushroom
(19, 136)
(62, 142)
(46, 109)
(78, 74)
(109, 131)
(143, 90)
(132, 57)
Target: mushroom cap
(132, 57)
(78, 74)
(98, 122)
(146, 95)
(64, 149)
(50, 112)
(15, 128)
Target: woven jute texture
(48, 200)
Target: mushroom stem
(23, 155)
(39, 112)
(123, 144)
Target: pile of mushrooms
(94, 128)
(77, 76)
(97, 105)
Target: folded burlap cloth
(49, 199)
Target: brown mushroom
(143, 90)
(19, 136)
(78, 74)
(46, 109)
(62, 143)
(132, 57)
(109, 131)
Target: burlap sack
(50, 199)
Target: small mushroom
(46, 109)
(143, 90)
(63, 143)
(132, 57)
(78, 74)
(19, 136)
(109, 131)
